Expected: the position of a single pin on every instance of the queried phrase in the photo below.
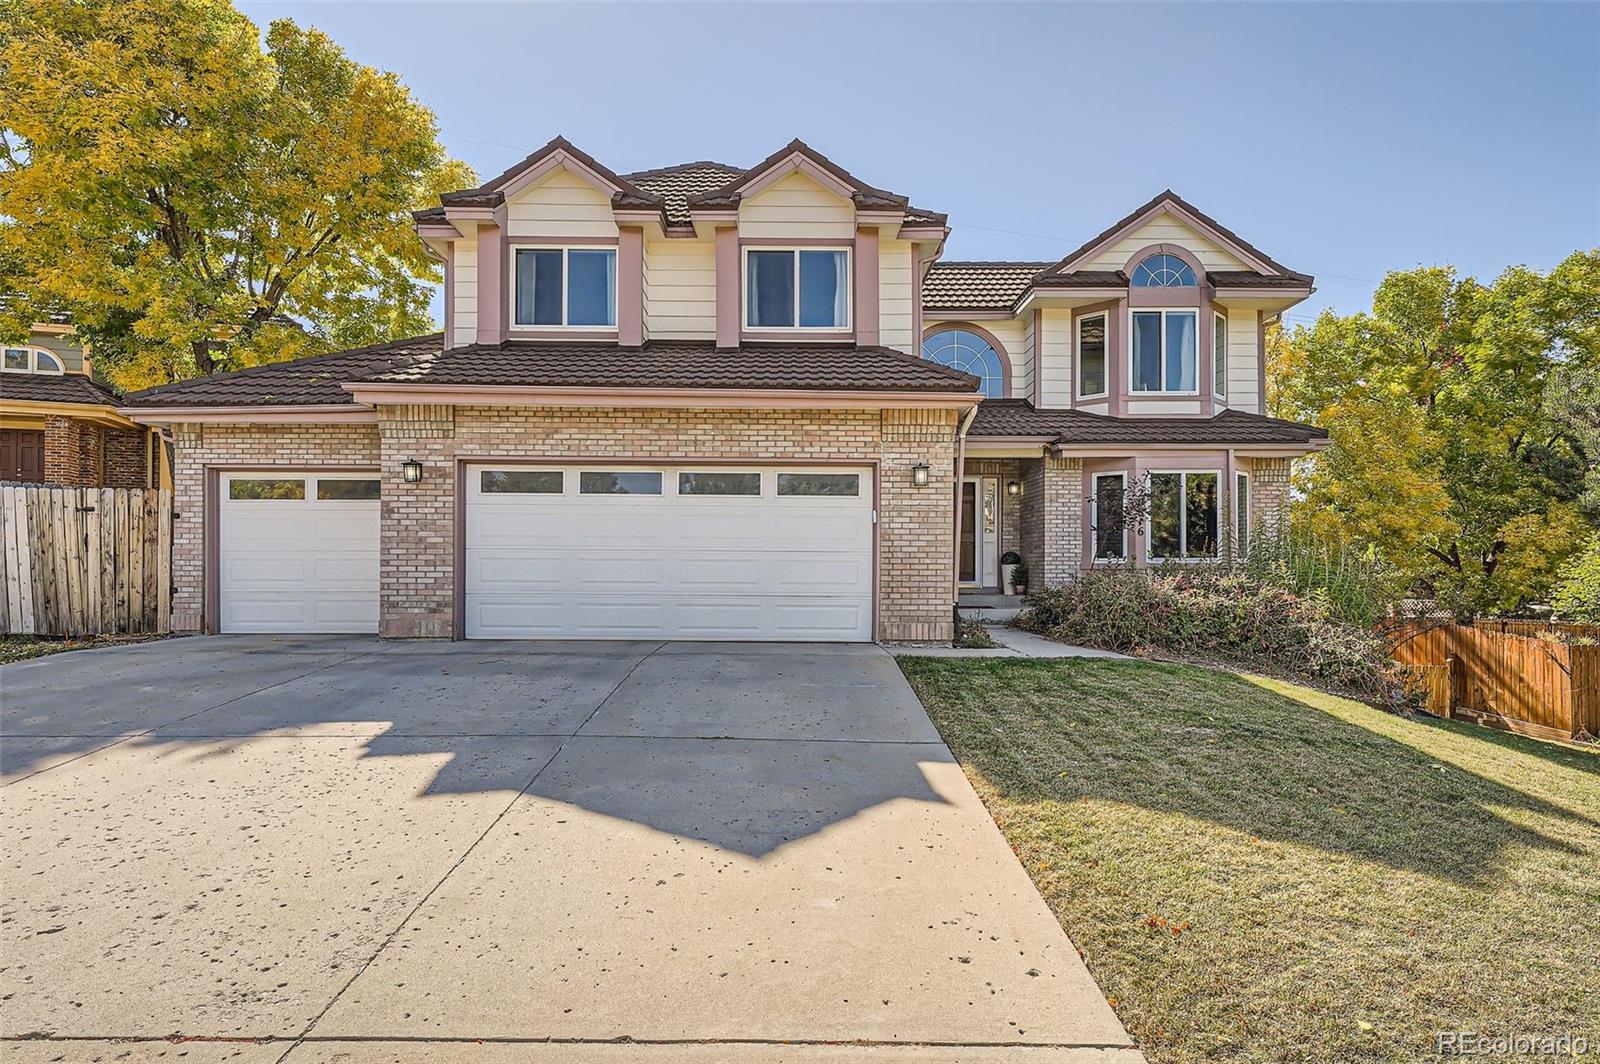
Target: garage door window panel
(521, 481)
(832, 485)
(341, 489)
(719, 484)
(274, 490)
(628, 482)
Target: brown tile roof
(1082, 279)
(302, 382)
(664, 364)
(545, 363)
(977, 285)
(1018, 417)
(55, 388)
(1251, 279)
(675, 184)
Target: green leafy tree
(198, 201)
(1463, 430)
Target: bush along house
(715, 402)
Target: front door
(22, 455)
(969, 532)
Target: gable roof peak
(1167, 197)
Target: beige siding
(894, 295)
(1167, 407)
(1056, 358)
(680, 294)
(797, 207)
(561, 205)
(464, 321)
(1024, 362)
(1163, 229)
(63, 345)
(1244, 386)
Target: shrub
(1577, 593)
(1219, 613)
(1357, 587)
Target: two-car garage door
(679, 552)
(577, 552)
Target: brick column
(1269, 496)
(916, 527)
(72, 452)
(416, 574)
(1052, 520)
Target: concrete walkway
(1014, 643)
(347, 850)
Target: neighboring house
(711, 402)
(60, 426)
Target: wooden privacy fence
(1508, 674)
(85, 561)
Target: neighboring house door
(671, 552)
(22, 455)
(298, 552)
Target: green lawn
(1257, 871)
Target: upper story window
(30, 360)
(970, 353)
(1091, 356)
(797, 288)
(1162, 271)
(573, 287)
(1219, 355)
(1164, 356)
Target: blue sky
(1344, 140)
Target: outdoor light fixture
(411, 470)
(919, 475)
(1013, 487)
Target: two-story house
(716, 402)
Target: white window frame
(849, 296)
(1162, 363)
(1077, 354)
(1183, 476)
(33, 360)
(1094, 519)
(1241, 514)
(566, 287)
(1219, 358)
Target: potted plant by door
(1008, 565)
(1019, 578)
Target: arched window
(1162, 271)
(30, 360)
(970, 353)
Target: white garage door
(679, 552)
(298, 552)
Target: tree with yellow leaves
(198, 202)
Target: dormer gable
(1168, 219)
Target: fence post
(1452, 672)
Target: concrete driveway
(346, 850)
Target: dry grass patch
(1259, 871)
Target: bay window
(572, 287)
(1164, 352)
(1182, 525)
(1091, 356)
(797, 288)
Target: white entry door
(675, 552)
(298, 552)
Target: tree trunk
(204, 364)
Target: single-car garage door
(298, 552)
(679, 552)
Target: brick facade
(1053, 516)
(83, 454)
(1269, 496)
(417, 578)
(200, 446)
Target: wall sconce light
(1013, 487)
(411, 471)
(919, 475)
